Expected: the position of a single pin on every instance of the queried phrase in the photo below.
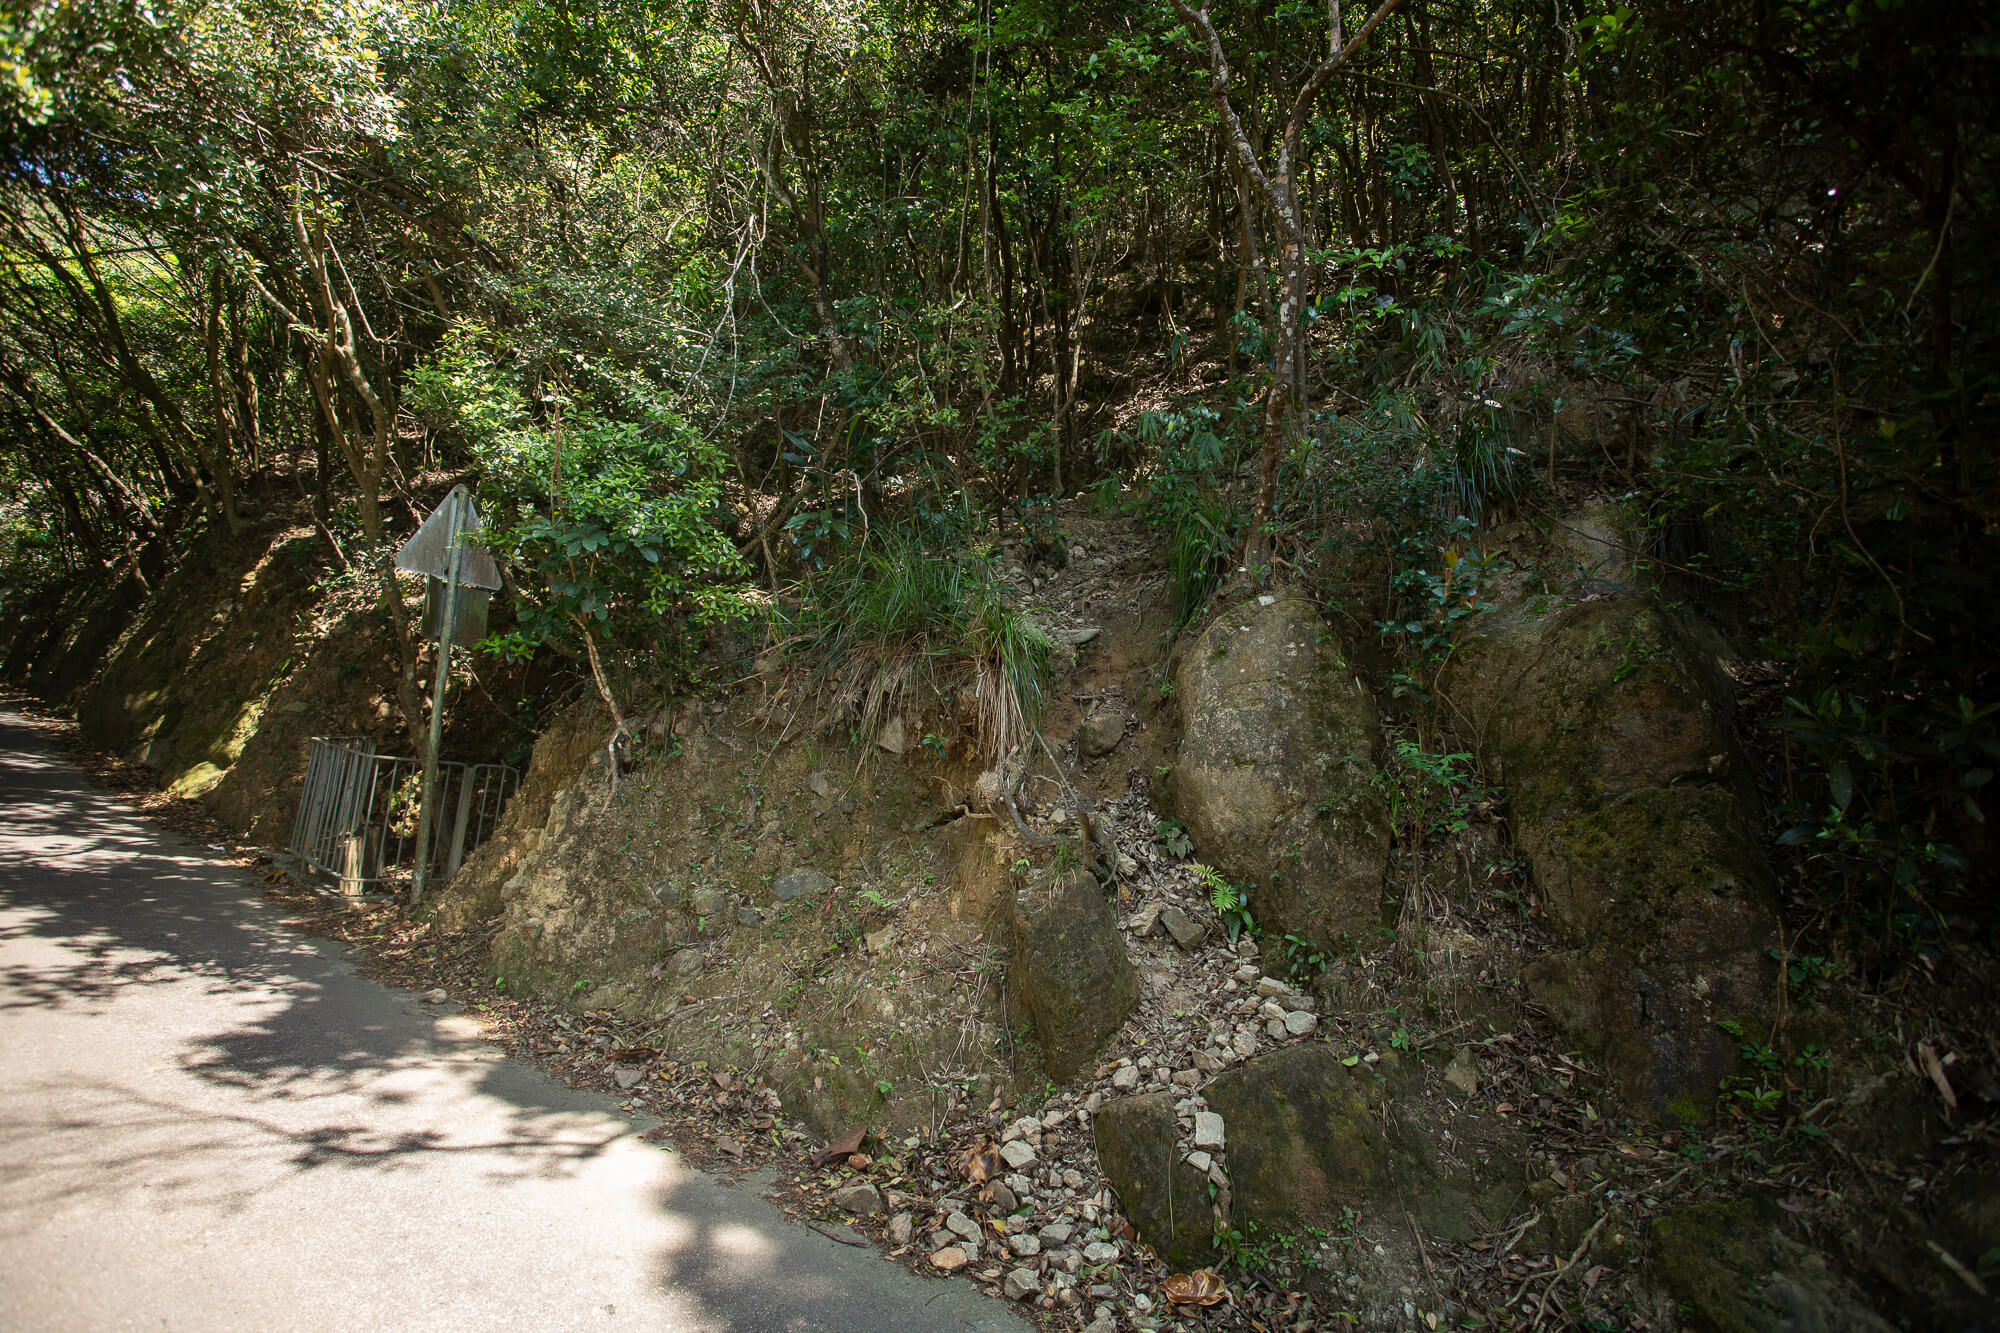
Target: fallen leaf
(730, 1146)
(841, 1146)
(1503, 1108)
(860, 1161)
(1935, 1069)
(980, 1163)
(1200, 1287)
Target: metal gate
(358, 813)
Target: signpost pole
(446, 622)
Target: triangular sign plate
(428, 551)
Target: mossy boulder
(1733, 1270)
(1169, 1203)
(1070, 969)
(1609, 721)
(1309, 1135)
(1672, 911)
(1276, 775)
(1576, 704)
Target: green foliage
(608, 512)
(1186, 496)
(1230, 901)
(1303, 960)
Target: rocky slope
(1254, 974)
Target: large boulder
(1732, 1269)
(1171, 1205)
(1609, 721)
(1573, 704)
(1671, 906)
(1309, 1135)
(1276, 777)
(1070, 969)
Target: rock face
(1609, 722)
(1070, 969)
(1306, 1136)
(1276, 774)
(1166, 1199)
(1733, 1269)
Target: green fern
(1227, 899)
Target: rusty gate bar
(358, 813)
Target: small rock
(1299, 1022)
(1099, 1252)
(1271, 1009)
(1102, 732)
(1026, 1246)
(1001, 1197)
(822, 785)
(1463, 1072)
(1186, 931)
(1207, 1130)
(1144, 921)
(858, 1199)
(708, 900)
(1199, 1160)
(1246, 947)
(1187, 1078)
(1076, 638)
(1017, 1154)
(626, 1076)
(891, 737)
(1056, 1233)
(793, 883)
(1125, 1078)
(1272, 986)
(901, 1228)
(961, 1225)
(436, 996)
(878, 941)
(1245, 1044)
(1275, 1029)
(949, 1259)
(1026, 1126)
(686, 962)
(1021, 1284)
(749, 916)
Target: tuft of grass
(898, 619)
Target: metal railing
(358, 813)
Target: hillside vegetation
(1492, 504)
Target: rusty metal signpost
(441, 551)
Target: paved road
(209, 1122)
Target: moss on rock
(1276, 772)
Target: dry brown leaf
(980, 1163)
(841, 1146)
(730, 1146)
(1200, 1287)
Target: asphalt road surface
(210, 1122)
